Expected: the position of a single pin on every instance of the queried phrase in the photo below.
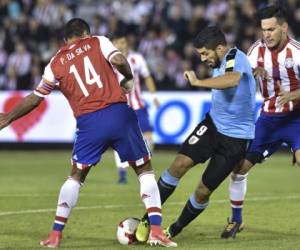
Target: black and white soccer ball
(126, 231)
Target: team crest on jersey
(289, 62)
(193, 139)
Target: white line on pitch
(52, 195)
(47, 210)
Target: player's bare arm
(29, 103)
(121, 64)
(228, 80)
(285, 96)
(152, 88)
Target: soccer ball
(126, 231)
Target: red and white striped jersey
(139, 69)
(283, 68)
(83, 73)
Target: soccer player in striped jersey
(135, 100)
(275, 60)
(83, 71)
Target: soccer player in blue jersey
(222, 136)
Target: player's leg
(197, 148)
(167, 183)
(150, 196)
(88, 147)
(122, 169)
(228, 154)
(146, 128)
(237, 193)
(291, 132)
(297, 157)
(131, 147)
(67, 200)
(199, 200)
(263, 146)
(196, 204)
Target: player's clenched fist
(190, 76)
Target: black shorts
(225, 152)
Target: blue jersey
(233, 108)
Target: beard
(216, 64)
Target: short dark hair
(210, 37)
(76, 27)
(271, 11)
(119, 34)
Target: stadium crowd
(162, 30)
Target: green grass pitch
(30, 182)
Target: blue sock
(122, 174)
(58, 227)
(169, 179)
(237, 214)
(166, 185)
(191, 210)
(155, 220)
(59, 223)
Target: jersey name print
(83, 73)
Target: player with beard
(222, 136)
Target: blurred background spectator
(162, 30)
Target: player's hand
(260, 72)
(284, 96)
(191, 77)
(4, 121)
(126, 85)
(156, 102)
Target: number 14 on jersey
(90, 73)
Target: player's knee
(253, 158)
(202, 193)
(298, 161)
(244, 167)
(79, 174)
(180, 166)
(238, 177)
(146, 167)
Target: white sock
(237, 190)
(120, 164)
(151, 197)
(67, 199)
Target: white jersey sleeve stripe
(107, 48)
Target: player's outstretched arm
(24, 107)
(228, 80)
